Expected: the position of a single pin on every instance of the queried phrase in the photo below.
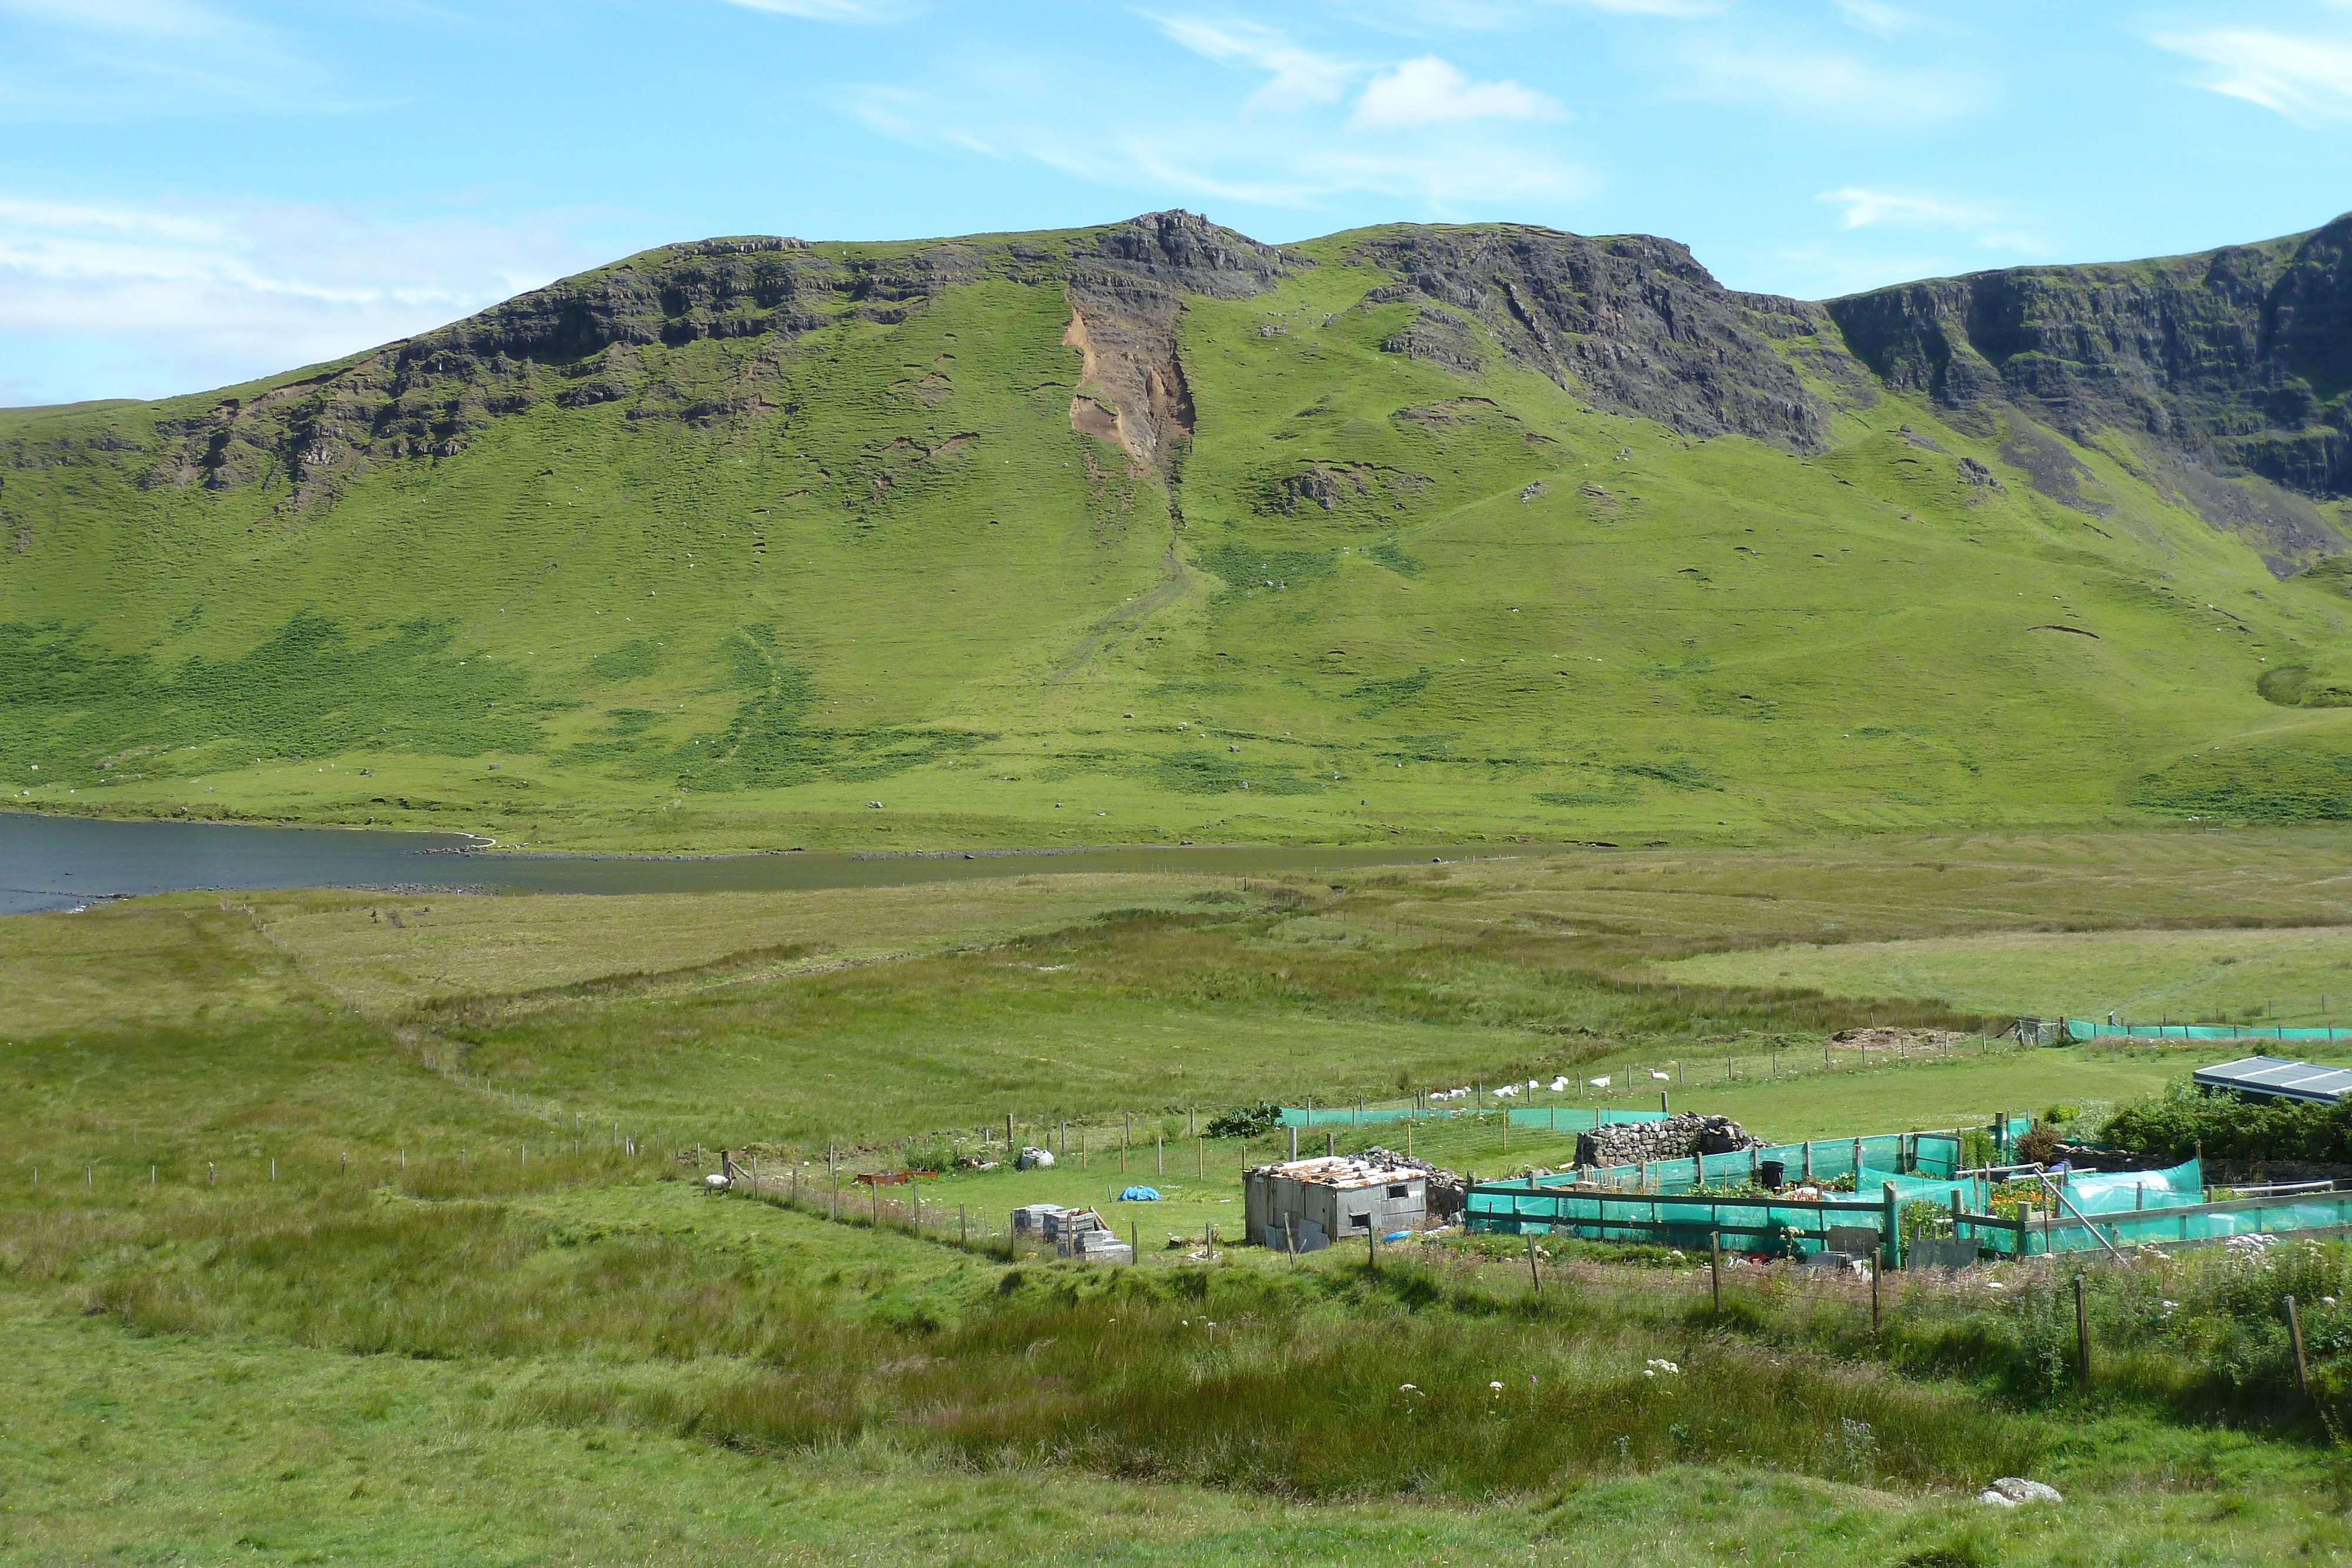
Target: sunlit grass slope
(1372, 596)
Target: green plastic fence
(1745, 1225)
(2174, 1225)
(2083, 1028)
(1819, 1160)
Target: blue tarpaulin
(1140, 1195)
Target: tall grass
(1288, 1382)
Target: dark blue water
(60, 863)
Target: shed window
(1360, 1222)
(1399, 1190)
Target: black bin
(1771, 1173)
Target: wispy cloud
(828, 10)
(1818, 84)
(1877, 17)
(1430, 91)
(1296, 77)
(1863, 208)
(192, 294)
(1422, 134)
(139, 57)
(1448, 169)
(2307, 79)
(1657, 7)
(1867, 209)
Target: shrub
(1246, 1121)
(2170, 1124)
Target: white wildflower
(1498, 1387)
(1658, 1364)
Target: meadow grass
(249, 1449)
(453, 1295)
(2292, 978)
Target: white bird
(1559, 1084)
(1661, 1077)
(1507, 1091)
(1598, 1083)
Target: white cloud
(2307, 79)
(1296, 77)
(1449, 171)
(1430, 91)
(1863, 208)
(180, 296)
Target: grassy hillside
(1309, 555)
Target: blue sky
(194, 192)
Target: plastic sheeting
(1663, 1220)
(1936, 1155)
(2180, 1187)
(2083, 1028)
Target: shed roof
(1341, 1171)
(2274, 1078)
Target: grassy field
(2292, 978)
(900, 578)
(322, 1236)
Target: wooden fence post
(2082, 1333)
(1892, 1226)
(1534, 1277)
(2295, 1335)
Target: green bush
(2170, 1125)
(1246, 1122)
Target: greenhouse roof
(2273, 1078)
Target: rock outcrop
(1127, 289)
(1633, 321)
(2237, 358)
(2235, 361)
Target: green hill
(1151, 532)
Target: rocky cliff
(2236, 362)
(2240, 358)
(574, 343)
(1632, 322)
